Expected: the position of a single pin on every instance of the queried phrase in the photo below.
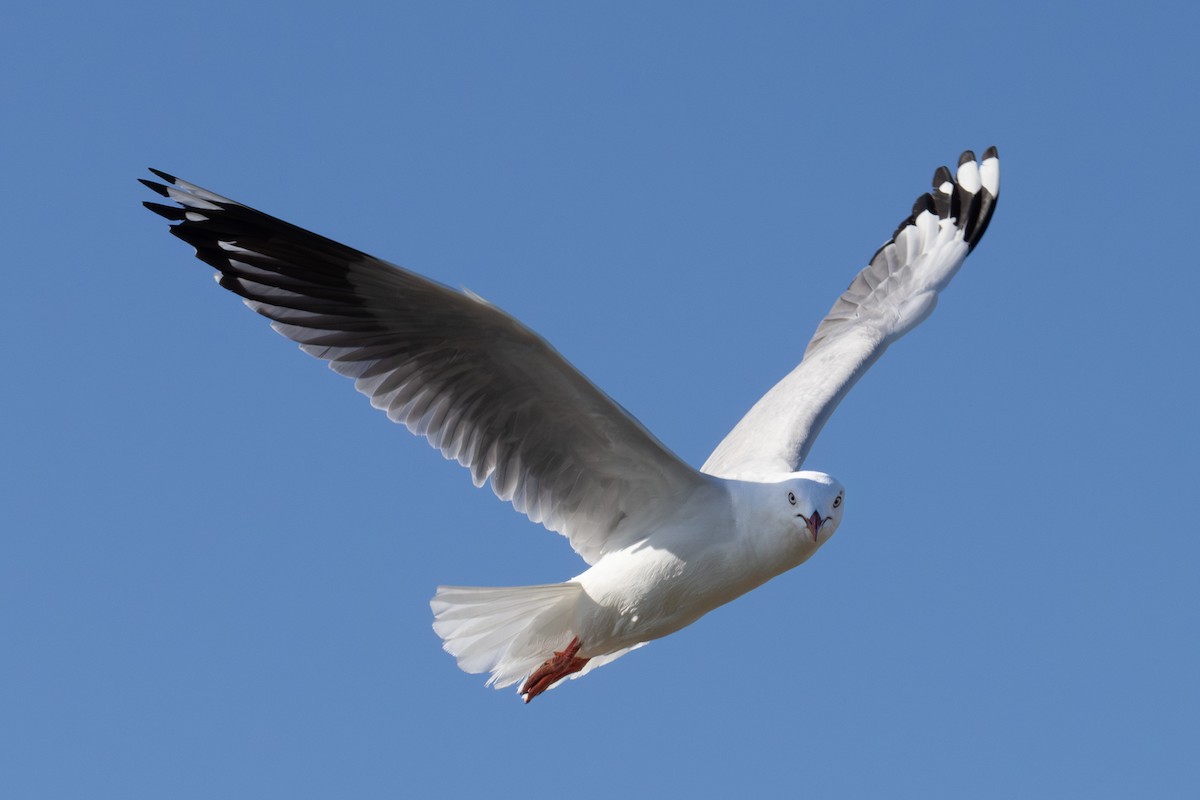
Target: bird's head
(815, 501)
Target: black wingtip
(923, 203)
(972, 211)
(157, 188)
(169, 178)
(941, 176)
(987, 204)
(943, 200)
(173, 213)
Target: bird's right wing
(479, 385)
(891, 296)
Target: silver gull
(665, 543)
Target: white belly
(646, 593)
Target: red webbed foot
(564, 663)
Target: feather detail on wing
(892, 295)
(482, 388)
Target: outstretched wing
(891, 296)
(481, 387)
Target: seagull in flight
(665, 543)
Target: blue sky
(216, 558)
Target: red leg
(564, 663)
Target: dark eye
(838, 501)
(792, 498)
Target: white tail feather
(507, 631)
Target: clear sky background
(216, 558)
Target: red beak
(814, 524)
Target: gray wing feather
(892, 295)
(481, 387)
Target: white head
(815, 501)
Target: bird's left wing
(891, 296)
(480, 386)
